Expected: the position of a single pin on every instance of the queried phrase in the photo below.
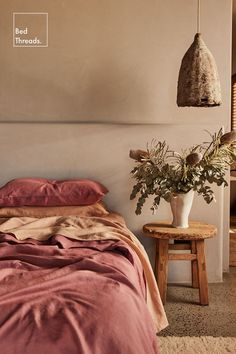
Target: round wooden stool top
(164, 230)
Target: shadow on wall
(106, 93)
(110, 88)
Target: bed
(75, 280)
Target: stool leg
(162, 268)
(195, 283)
(202, 273)
(157, 256)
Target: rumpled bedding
(75, 285)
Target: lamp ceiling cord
(198, 15)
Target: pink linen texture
(45, 192)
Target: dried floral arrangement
(161, 172)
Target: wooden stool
(193, 240)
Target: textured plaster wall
(101, 152)
(234, 38)
(110, 61)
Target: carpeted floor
(197, 345)
(187, 318)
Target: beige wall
(101, 152)
(109, 60)
(234, 39)
(113, 61)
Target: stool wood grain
(191, 239)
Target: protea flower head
(138, 155)
(194, 158)
(228, 138)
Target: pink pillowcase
(44, 192)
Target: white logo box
(30, 29)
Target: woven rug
(197, 345)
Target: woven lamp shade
(198, 83)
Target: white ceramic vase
(181, 204)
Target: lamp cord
(198, 16)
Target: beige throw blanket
(90, 228)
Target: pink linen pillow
(45, 192)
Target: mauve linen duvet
(67, 296)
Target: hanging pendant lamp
(198, 83)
